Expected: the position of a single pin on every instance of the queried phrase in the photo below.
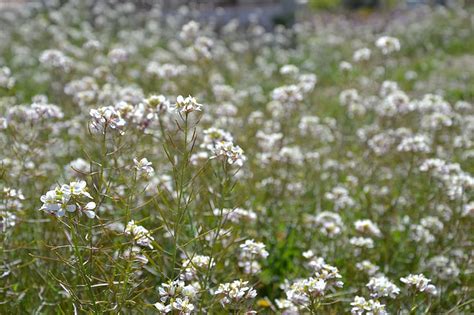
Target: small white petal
(90, 214)
(90, 206)
(71, 208)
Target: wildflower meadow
(156, 162)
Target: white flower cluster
(212, 136)
(381, 286)
(455, 181)
(329, 223)
(417, 144)
(302, 292)
(362, 242)
(362, 54)
(68, 198)
(235, 293)
(388, 44)
(443, 268)
(176, 296)
(289, 95)
(250, 252)
(56, 59)
(186, 105)
(367, 227)
(141, 235)
(367, 267)
(420, 283)
(144, 167)
(193, 265)
(165, 70)
(221, 146)
(84, 91)
(340, 196)
(7, 81)
(361, 306)
(118, 55)
(232, 154)
(237, 215)
(37, 111)
(105, 118)
(12, 201)
(148, 112)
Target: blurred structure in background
(5, 4)
(267, 13)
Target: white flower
(252, 249)
(67, 198)
(381, 286)
(76, 188)
(144, 167)
(345, 66)
(162, 308)
(329, 223)
(6, 79)
(367, 227)
(236, 215)
(192, 265)
(468, 209)
(362, 306)
(288, 95)
(189, 31)
(420, 283)
(417, 143)
(106, 117)
(289, 70)
(367, 267)
(88, 210)
(141, 235)
(362, 242)
(183, 305)
(56, 59)
(348, 97)
(186, 105)
(233, 154)
(362, 54)
(212, 136)
(388, 44)
(118, 55)
(235, 292)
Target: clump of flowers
(419, 283)
(176, 296)
(144, 167)
(416, 144)
(191, 266)
(308, 293)
(381, 286)
(232, 154)
(328, 223)
(105, 118)
(362, 306)
(236, 215)
(141, 235)
(68, 198)
(367, 227)
(388, 44)
(186, 105)
(250, 252)
(235, 293)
